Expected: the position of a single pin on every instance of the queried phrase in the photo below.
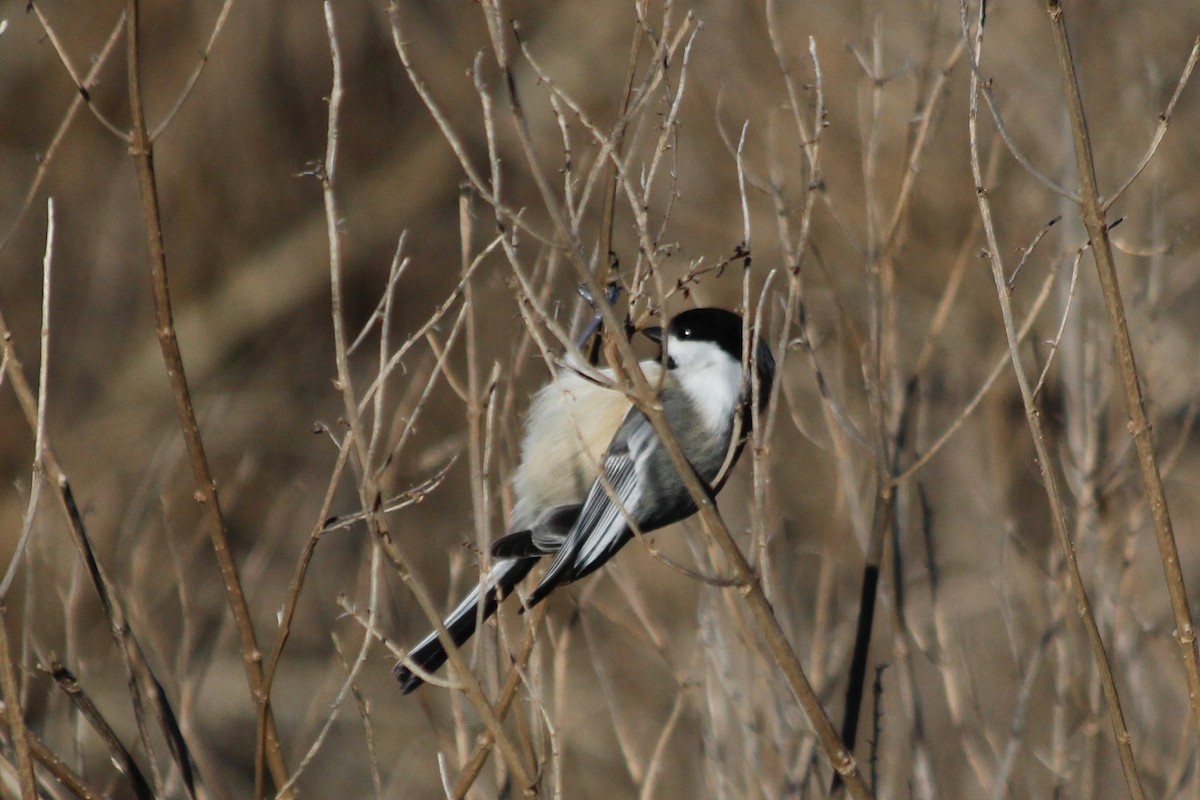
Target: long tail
(430, 654)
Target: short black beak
(654, 333)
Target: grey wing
(601, 529)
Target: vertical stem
(1033, 417)
(142, 150)
(1135, 405)
(16, 717)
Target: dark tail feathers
(430, 654)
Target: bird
(564, 510)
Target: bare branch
(1135, 405)
(186, 92)
(206, 491)
(1164, 119)
(1034, 419)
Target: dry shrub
(812, 163)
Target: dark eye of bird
(686, 333)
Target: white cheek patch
(711, 377)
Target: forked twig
(81, 85)
(61, 132)
(985, 88)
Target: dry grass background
(643, 681)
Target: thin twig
(290, 605)
(997, 369)
(186, 92)
(1062, 324)
(119, 753)
(368, 487)
(654, 768)
(1135, 405)
(880, 372)
(364, 711)
(1034, 418)
(1000, 789)
(15, 716)
(604, 252)
(1160, 131)
(61, 132)
(988, 97)
(206, 487)
(335, 705)
(81, 86)
(39, 447)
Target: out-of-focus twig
(54, 765)
(1020, 715)
(15, 716)
(61, 132)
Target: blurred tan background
(989, 688)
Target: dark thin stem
(120, 754)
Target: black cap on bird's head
(723, 328)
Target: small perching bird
(563, 509)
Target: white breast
(568, 428)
